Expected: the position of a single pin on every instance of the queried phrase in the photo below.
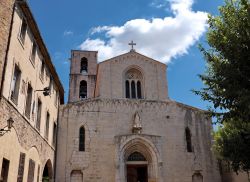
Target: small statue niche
(137, 126)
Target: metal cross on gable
(132, 44)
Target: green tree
(227, 80)
(233, 145)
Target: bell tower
(83, 67)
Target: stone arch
(133, 82)
(83, 89)
(76, 176)
(47, 175)
(197, 177)
(84, 65)
(147, 149)
(35, 148)
(133, 67)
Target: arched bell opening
(47, 172)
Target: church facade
(121, 126)
(30, 96)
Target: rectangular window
(56, 97)
(33, 110)
(23, 31)
(21, 167)
(28, 101)
(54, 134)
(38, 117)
(15, 84)
(42, 70)
(47, 126)
(31, 171)
(33, 52)
(5, 170)
(47, 74)
(50, 84)
(38, 173)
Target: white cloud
(67, 33)
(159, 4)
(159, 38)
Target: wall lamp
(10, 122)
(46, 91)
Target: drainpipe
(7, 50)
(57, 127)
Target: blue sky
(67, 25)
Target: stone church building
(121, 126)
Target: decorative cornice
(95, 103)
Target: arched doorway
(47, 172)
(150, 166)
(76, 176)
(197, 177)
(137, 168)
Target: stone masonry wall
(163, 126)
(28, 138)
(6, 9)
(111, 81)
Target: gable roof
(132, 53)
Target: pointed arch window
(83, 89)
(82, 139)
(188, 139)
(133, 89)
(127, 89)
(84, 65)
(133, 84)
(139, 90)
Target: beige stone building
(121, 126)
(30, 96)
(6, 14)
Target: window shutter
(31, 171)
(21, 167)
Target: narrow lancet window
(188, 140)
(127, 89)
(139, 90)
(133, 90)
(82, 139)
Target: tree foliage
(227, 80)
(227, 77)
(233, 144)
